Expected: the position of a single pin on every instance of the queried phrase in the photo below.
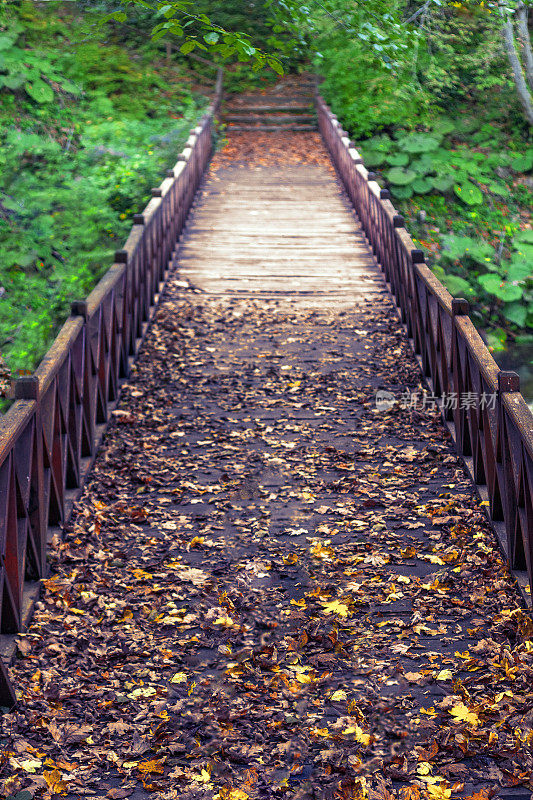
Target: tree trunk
(518, 74)
(525, 42)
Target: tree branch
(421, 10)
(518, 74)
(525, 42)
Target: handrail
(496, 442)
(50, 434)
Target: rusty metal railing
(50, 434)
(496, 442)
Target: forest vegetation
(96, 99)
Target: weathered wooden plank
(277, 231)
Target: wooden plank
(277, 231)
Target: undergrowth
(88, 124)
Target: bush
(74, 166)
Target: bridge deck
(271, 588)
(278, 230)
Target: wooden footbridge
(295, 234)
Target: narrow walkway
(278, 231)
(271, 588)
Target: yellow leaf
(424, 768)
(444, 675)
(300, 603)
(55, 781)
(340, 694)
(31, 765)
(197, 540)
(179, 677)
(463, 714)
(226, 621)
(320, 731)
(142, 691)
(334, 607)
(304, 678)
(439, 792)
(203, 777)
(237, 794)
(362, 737)
(435, 559)
(152, 766)
(290, 558)
(319, 550)
(501, 695)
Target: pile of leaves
(256, 149)
(269, 587)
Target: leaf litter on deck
(271, 589)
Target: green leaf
(13, 81)
(211, 38)
(398, 160)
(443, 126)
(516, 313)
(419, 143)
(455, 247)
(456, 285)
(188, 46)
(402, 192)
(423, 165)
(400, 176)
(503, 290)
(39, 91)
(443, 183)
(524, 236)
(382, 144)
(422, 185)
(69, 87)
(6, 41)
(468, 193)
(496, 339)
(523, 163)
(373, 158)
(519, 270)
(276, 65)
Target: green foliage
(506, 284)
(387, 99)
(72, 173)
(208, 27)
(399, 176)
(469, 193)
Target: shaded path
(272, 589)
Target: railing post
(509, 382)
(8, 698)
(460, 308)
(27, 388)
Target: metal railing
(495, 441)
(50, 434)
